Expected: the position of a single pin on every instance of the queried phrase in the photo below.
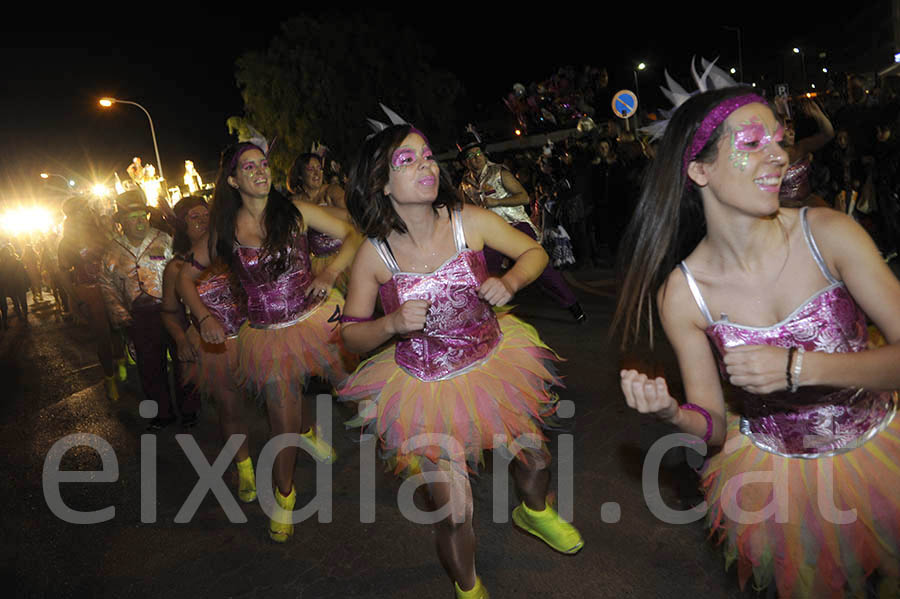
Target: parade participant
(13, 284)
(261, 236)
(80, 255)
(493, 186)
(457, 374)
(132, 285)
(306, 184)
(801, 483)
(32, 263)
(210, 367)
(795, 187)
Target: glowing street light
(100, 190)
(642, 66)
(107, 102)
(733, 70)
(796, 50)
(69, 182)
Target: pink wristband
(709, 423)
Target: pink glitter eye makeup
(406, 156)
(752, 136)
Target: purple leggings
(550, 281)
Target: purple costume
(795, 186)
(781, 448)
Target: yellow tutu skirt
(319, 263)
(489, 404)
(288, 356)
(810, 553)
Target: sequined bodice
(460, 329)
(795, 183)
(279, 300)
(814, 421)
(321, 244)
(223, 298)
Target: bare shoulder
(368, 263)
(676, 304)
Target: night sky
(183, 73)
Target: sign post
(624, 105)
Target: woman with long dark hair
(802, 477)
(261, 236)
(306, 183)
(457, 378)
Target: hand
(495, 291)
(320, 286)
(648, 396)
(757, 368)
(186, 351)
(211, 330)
(410, 317)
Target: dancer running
(306, 183)
(261, 236)
(805, 401)
(211, 367)
(457, 375)
(493, 186)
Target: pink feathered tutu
(807, 555)
(289, 355)
(507, 394)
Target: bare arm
(683, 324)
(336, 196)
(518, 196)
(361, 337)
(810, 144)
(171, 306)
(852, 256)
(211, 330)
(332, 225)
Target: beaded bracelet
(798, 366)
(709, 423)
(787, 368)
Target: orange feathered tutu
(289, 355)
(216, 366)
(810, 554)
(488, 404)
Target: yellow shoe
(549, 527)
(280, 526)
(246, 480)
(122, 370)
(476, 592)
(112, 390)
(313, 442)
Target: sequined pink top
(461, 329)
(223, 298)
(321, 244)
(795, 184)
(814, 421)
(280, 302)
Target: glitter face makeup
(749, 138)
(407, 156)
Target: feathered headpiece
(712, 78)
(378, 126)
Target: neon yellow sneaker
(280, 527)
(246, 480)
(549, 527)
(313, 442)
(476, 592)
(112, 390)
(122, 368)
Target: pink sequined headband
(713, 119)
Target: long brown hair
(668, 222)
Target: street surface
(52, 387)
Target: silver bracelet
(795, 372)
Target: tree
(321, 77)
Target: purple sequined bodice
(795, 184)
(815, 421)
(321, 244)
(223, 299)
(460, 329)
(280, 301)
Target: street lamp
(640, 67)
(740, 50)
(107, 102)
(69, 182)
(802, 66)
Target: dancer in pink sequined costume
(290, 334)
(802, 476)
(458, 379)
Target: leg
(454, 536)
(532, 478)
(96, 312)
(149, 339)
(552, 283)
(284, 417)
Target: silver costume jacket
(134, 274)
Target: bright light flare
(642, 66)
(45, 176)
(152, 190)
(106, 102)
(26, 220)
(100, 190)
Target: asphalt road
(52, 387)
